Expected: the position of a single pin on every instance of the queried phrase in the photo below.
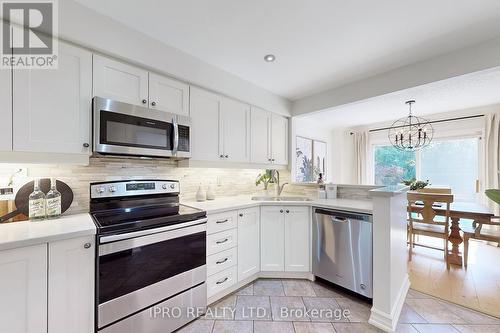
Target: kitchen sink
(276, 198)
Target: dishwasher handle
(343, 216)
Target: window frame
(446, 135)
(313, 160)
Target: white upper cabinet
(23, 290)
(248, 242)
(5, 110)
(71, 285)
(297, 238)
(168, 95)
(52, 108)
(272, 239)
(235, 119)
(269, 137)
(205, 111)
(279, 139)
(260, 136)
(120, 82)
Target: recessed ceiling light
(269, 57)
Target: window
(451, 162)
(392, 165)
(310, 159)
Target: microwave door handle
(176, 136)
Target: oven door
(140, 269)
(125, 129)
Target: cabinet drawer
(222, 221)
(222, 280)
(222, 260)
(221, 241)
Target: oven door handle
(157, 237)
(114, 238)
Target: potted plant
(416, 185)
(265, 178)
(494, 195)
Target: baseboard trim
(388, 321)
(266, 275)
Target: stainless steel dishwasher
(342, 249)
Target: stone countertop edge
(224, 204)
(27, 233)
(389, 191)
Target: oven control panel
(133, 187)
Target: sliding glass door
(453, 163)
(450, 162)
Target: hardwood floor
(477, 287)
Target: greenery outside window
(310, 159)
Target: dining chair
(423, 220)
(481, 230)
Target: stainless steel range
(151, 257)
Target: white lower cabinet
(48, 287)
(221, 261)
(220, 281)
(297, 239)
(272, 239)
(285, 238)
(71, 285)
(23, 290)
(248, 242)
(222, 252)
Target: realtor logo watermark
(29, 34)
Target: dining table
(459, 211)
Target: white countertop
(238, 202)
(26, 233)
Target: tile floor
(279, 306)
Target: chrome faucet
(276, 178)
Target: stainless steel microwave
(126, 129)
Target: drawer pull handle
(222, 221)
(222, 241)
(222, 281)
(221, 261)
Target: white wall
(87, 28)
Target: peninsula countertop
(221, 204)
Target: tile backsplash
(226, 182)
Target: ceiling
(319, 44)
(459, 93)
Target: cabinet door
(235, 131)
(167, 94)
(71, 285)
(23, 290)
(6, 110)
(297, 248)
(248, 242)
(279, 139)
(205, 119)
(272, 239)
(260, 136)
(120, 82)
(52, 108)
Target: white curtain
(492, 152)
(361, 156)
